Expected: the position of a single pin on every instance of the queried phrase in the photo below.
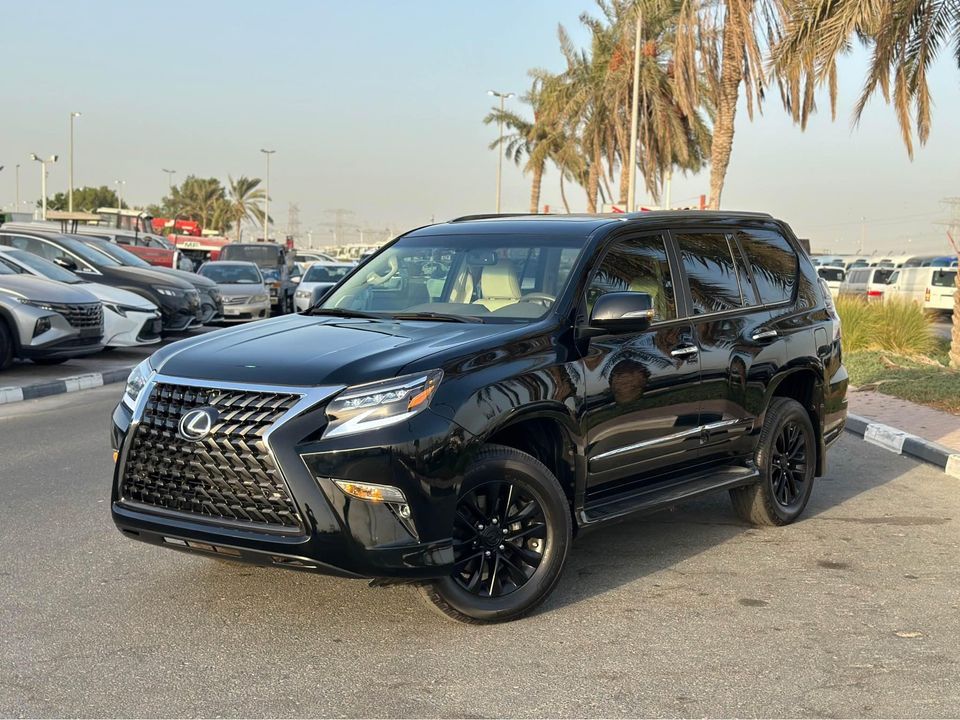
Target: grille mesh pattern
(85, 316)
(229, 475)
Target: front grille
(235, 300)
(85, 316)
(228, 476)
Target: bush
(898, 326)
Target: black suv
(480, 391)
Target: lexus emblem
(197, 424)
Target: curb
(903, 443)
(64, 385)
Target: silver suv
(46, 321)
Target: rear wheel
(6, 345)
(786, 458)
(511, 535)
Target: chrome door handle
(765, 334)
(685, 351)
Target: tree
(244, 201)
(904, 37)
(196, 199)
(85, 199)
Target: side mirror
(623, 312)
(66, 263)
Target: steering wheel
(539, 298)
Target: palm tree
(904, 37)
(196, 199)
(244, 201)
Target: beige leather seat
(499, 286)
(462, 291)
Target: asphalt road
(853, 611)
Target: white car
(832, 275)
(869, 283)
(932, 288)
(319, 277)
(128, 319)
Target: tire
(6, 345)
(48, 361)
(786, 480)
(526, 555)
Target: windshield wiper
(342, 312)
(440, 317)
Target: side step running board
(666, 494)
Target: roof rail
(489, 216)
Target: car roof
(578, 224)
(244, 263)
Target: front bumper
(338, 534)
(131, 329)
(246, 311)
(180, 312)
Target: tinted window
(831, 274)
(325, 274)
(637, 265)
(42, 266)
(266, 256)
(230, 274)
(774, 264)
(944, 278)
(717, 280)
(7, 269)
(882, 276)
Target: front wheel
(786, 458)
(511, 534)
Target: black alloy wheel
(510, 535)
(6, 345)
(786, 460)
(499, 536)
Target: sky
(376, 107)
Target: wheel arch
(13, 326)
(803, 383)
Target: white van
(833, 276)
(866, 282)
(930, 287)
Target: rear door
(732, 330)
(642, 388)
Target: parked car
(152, 249)
(245, 296)
(932, 288)
(318, 279)
(832, 276)
(573, 370)
(869, 283)
(211, 305)
(179, 302)
(309, 257)
(46, 321)
(277, 266)
(128, 319)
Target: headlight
(39, 304)
(259, 298)
(376, 405)
(122, 310)
(169, 292)
(136, 382)
(304, 293)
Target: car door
(731, 327)
(642, 405)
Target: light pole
(170, 174)
(266, 201)
(503, 97)
(18, 187)
(73, 116)
(43, 181)
(634, 117)
(119, 184)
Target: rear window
(266, 256)
(881, 276)
(774, 264)
(944, 278)
(831, 274)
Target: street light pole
(266, 202)
(43, 181)
(119, 184)
(170, 174)
(503, 97)
(73, 116)
(18, 187)
(634, 116)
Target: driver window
(637, 265)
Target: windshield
(492, 278)
(230, 274)
(326, 273)
(265, 256)
(944, 278)
(88, 253)
(830, 274)
(114, 251)
(7, 270)
(44, 267)
(882, 276)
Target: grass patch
(907, 378)
(898, 326)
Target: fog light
(372, 492)
(43, 324)
(404, 511)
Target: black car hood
(143, 275)
(196, 280)
(317, 350)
